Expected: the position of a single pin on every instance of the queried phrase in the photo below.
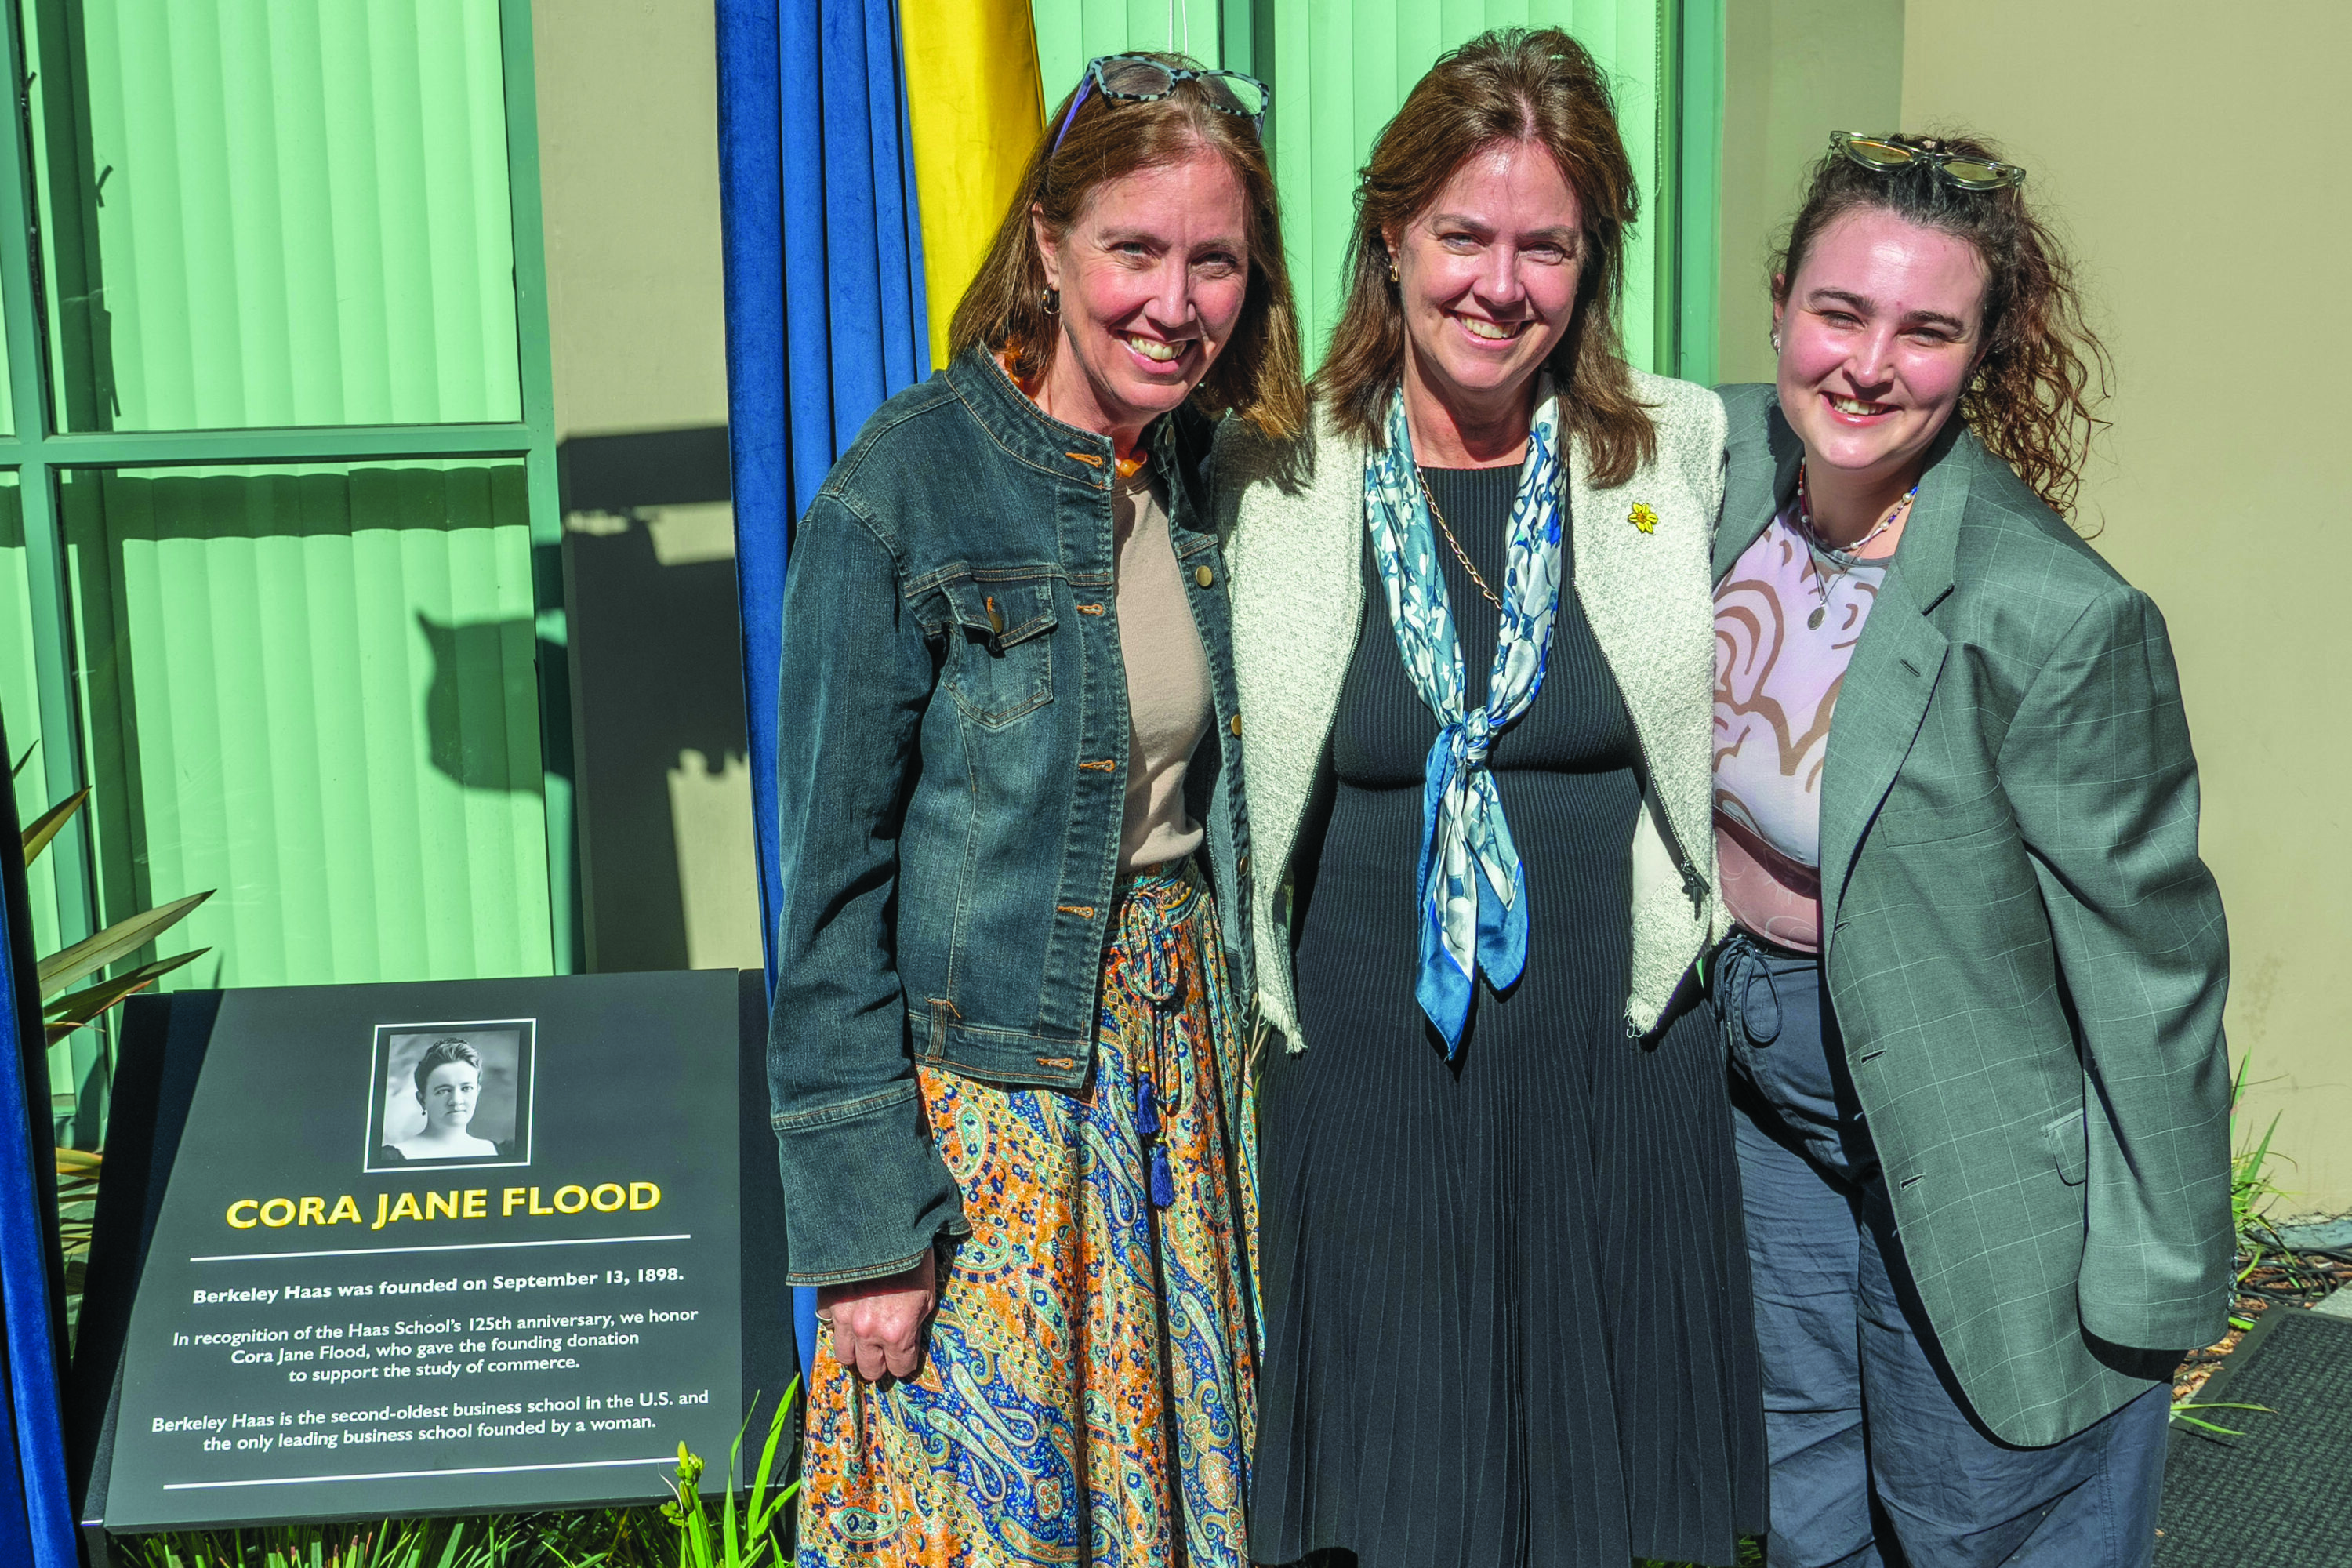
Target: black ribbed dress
(1507, 1298)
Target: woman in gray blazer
(1974, 996)
(1506, 1297)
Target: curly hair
(1258, 376)
(2041, 369)
(1508, 84)
(440, 1054)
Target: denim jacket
(951, 778)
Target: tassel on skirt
(1088, 1391)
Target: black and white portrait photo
(450, 1096)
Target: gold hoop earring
(1051, 299)
(1393, 270)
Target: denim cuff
(864, 1188)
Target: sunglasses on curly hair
(1140, 78)
(1885, 154)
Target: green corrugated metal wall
(311, 689)
(298, 211)
(1699, 173)
(1339, 71)
(308, 687)
(17, 701)
(1072, 32)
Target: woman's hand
(877, 1324)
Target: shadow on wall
(464, 656)
(657, 684)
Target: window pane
(274, 212)
(20, 715)
(20, 707)
(312, 688)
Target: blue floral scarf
(1474, 896)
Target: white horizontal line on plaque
(447, 1247)
(412, 1475)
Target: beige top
(1167, 702)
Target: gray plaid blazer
(2025, 956)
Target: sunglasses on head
(1140, 78)
(1883, 155)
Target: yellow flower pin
(1643, 517)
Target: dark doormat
(2281, 1492)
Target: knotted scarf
(1474, 896)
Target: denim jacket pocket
(999, 662)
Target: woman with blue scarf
(1505, 1294)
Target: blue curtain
(824, 312)
(36, 1516)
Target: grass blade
(755, 1515)
(763, 1511)
(2187, 1404)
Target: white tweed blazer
(1291, 515)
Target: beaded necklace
(1826, 559)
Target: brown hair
(1510, 85)
(2031, 396)
(1258, 374)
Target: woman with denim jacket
(1507, 1298)
(1012, 1100)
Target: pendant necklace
(1839, 559)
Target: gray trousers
(1876, 1455)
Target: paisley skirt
(1088, 1393)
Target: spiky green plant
(2252, 1189)
(65, 1010)
(753, 1539)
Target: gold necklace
(1459, 553)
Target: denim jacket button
(1236, 725)
(1204, 577)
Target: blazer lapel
(1298, 588)
(1649, 614)
(1893, 672)
(1334, 564)
(1598, 576)
(1760, 472)
(1887, 686)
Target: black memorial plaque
(440, 1248)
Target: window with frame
(279, 569)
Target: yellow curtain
(974, 107)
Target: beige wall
(1795, 71)
(2192, 155)
(629, 175)
(2195, 154)
(628, 142)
